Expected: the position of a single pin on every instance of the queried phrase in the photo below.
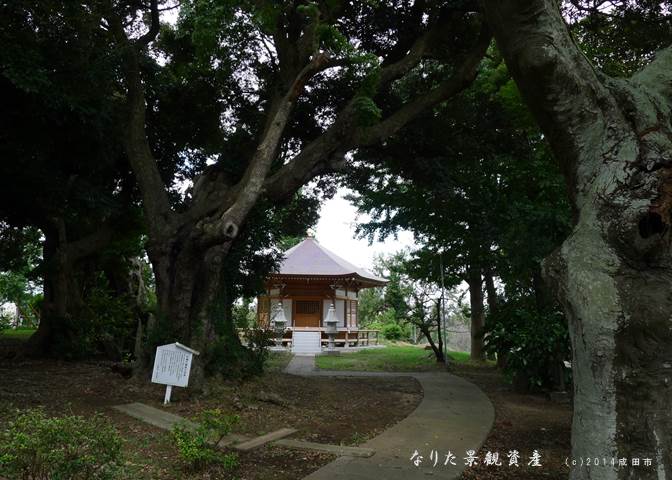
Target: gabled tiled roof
(311, 259)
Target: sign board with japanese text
(172, 364)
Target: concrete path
(454, 416)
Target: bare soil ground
(329, 410)
(523, 422)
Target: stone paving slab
(264, 439)
(154, 416)
(339, 450)
(231, 439)
(454, 415)
(166, 420)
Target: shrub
(5, 323)
(35, 446)
(105, 324)
(535, 343)
(234, 360)
(392, 331)
(198, 448)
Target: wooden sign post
(172, 364)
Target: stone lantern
(330, 328)
(279, 322)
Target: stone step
(264, 439)
(166, 420)
(232, 439)
(154, 416)
(339, 450)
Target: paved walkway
(454, 415)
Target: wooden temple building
(310, 280)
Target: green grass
(277, 361)
(18, 333)
(392, 358)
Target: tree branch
(656, 77)
(90, 244)
(462, 78)
(250, 187)
(136, 145)
(327, 152)
(149, 37)
(402, 66)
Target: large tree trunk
(475, 282)
(191, 295)
(493, 304)
(618, 307)
(61, 301)
(614, 272)
(493, 300)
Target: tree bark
(188, 284)
(613, 274)
(493, 303)
(61, 300)
(475, 282)
(493, 300)
(440, 356)
(437, 349)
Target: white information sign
(172, 364)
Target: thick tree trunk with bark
(493, 304)
(188, 284)
(54, 309)
(475, 281)
(62, 289)
(614, 272)
(491, 290)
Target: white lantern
(279, 319)
(331, 320)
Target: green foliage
(258, 342)
(368, 113)
(243, 315)
(234, 360)
(621, 38)
(482, 191)
(536, 341)
(311, 10)
(5, 323)
(482, 187)
(370, 305)
(34, 446)
(198, 448)
(105, 324)
(392, 331)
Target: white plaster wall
(287, 307)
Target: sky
(336, 230)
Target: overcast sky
(336, 231)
